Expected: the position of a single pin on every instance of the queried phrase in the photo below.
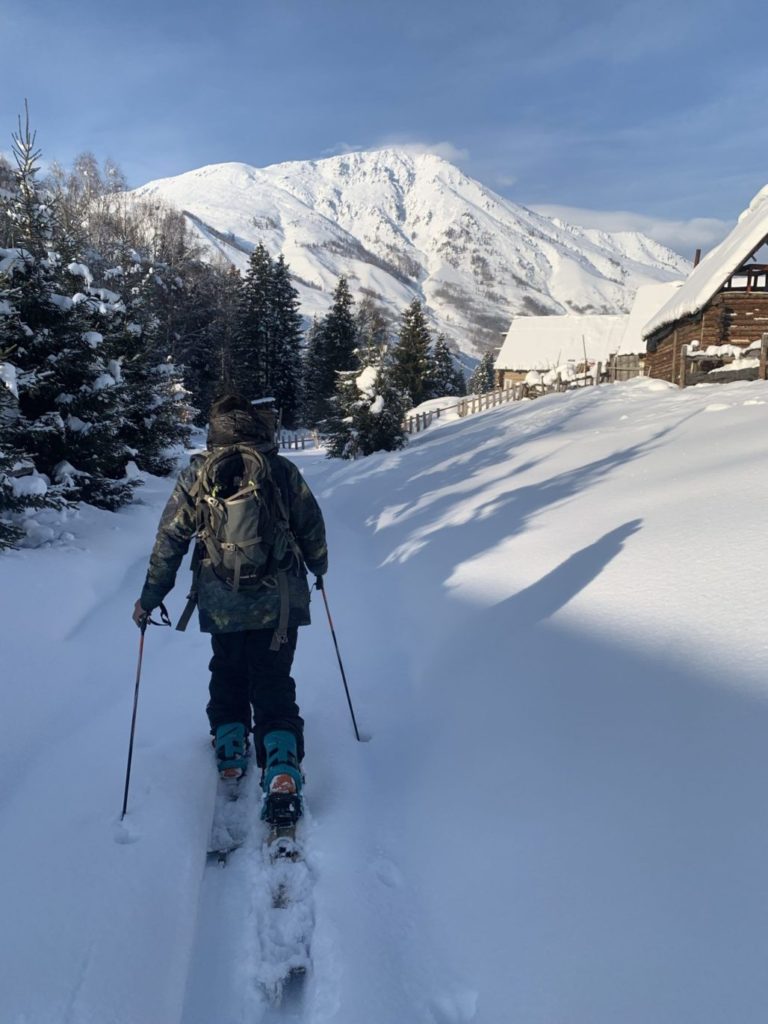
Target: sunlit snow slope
(402, 225)
(552, 616)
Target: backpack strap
(280, 636)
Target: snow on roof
(541, 342)
(649, 299)
(717, 266)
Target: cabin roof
(706, 280)
(545, 342)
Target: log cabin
(724, 301)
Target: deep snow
(552, 616)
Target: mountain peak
(402, 222)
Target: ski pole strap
(164, 616)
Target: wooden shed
(724, 301)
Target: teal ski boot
(281, 780)
(231, 744)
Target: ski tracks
(245, 946)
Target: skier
(251, 610)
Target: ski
(290, 919)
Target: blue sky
(625, 115)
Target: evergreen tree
(331, 349)
(373, 331)
(69, 402)
(285, 383)
(447, 377)
(413, 364)
(205, 348)
(253, 351)
(367, 410)
(154, 407)
(21, 489)
(483, 378)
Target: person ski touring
(258, 529)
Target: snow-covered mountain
(402, 225)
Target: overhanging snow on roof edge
(716, 267)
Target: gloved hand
(319, 582)
(140, 615)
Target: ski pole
(321, 587)
(145, 621)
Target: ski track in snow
(551, 615)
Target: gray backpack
(242, 531)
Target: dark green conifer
(412, 359)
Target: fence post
(683, 364)
(598, 372)
(763, 357)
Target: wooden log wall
(731, 318)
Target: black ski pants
(253, 685)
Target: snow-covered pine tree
(21, 489)
(252, 354)
(69, 402)
(368, 409)
(412, 357)
(285, 383)
(447, 377)
(7, 188)
(154, 408)
(330, 350)
(340, 427)
(483, 378)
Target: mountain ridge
(403, 225)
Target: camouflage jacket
(221, 609)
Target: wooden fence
(299, 441)
(514, 393)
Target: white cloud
(684, 236)
(340, 148)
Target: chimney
(697, 257)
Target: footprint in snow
(716, 407)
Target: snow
(8, 378)
(93, 338)
(80, 270)
(649, 299)
(29, 485)
(716, 267)
(544, 342)
(410, 225)
(366, 381)
(559, 814)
